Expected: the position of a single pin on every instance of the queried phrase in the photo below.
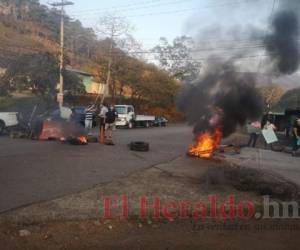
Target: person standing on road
(102, 115)
(296, 136)
(271, 126)
(254, 131)
(89, 114)
(110, 119)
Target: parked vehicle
(128, 118)
(78, 115)
(160, 121)
(8, 120)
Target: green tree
(39, 73)
(177, 58)
(73, 84)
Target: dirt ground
(133, 234)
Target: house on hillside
(91, 86)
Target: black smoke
(223, 98)
(282, 44)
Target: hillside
(29, 28)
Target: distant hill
(26, 26)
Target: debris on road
(24, 233)
(139, 146)
(229, 149)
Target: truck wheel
(2, 127)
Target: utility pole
(62, 3)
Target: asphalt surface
(33, 171)
(278, 163)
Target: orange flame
(82, 140)
(206, 144)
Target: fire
(82, 140)
(206, 144)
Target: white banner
(269, 135)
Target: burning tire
(139, 146)
(81, 140)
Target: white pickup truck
(7, 120)
(128, 118)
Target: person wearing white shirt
(102, 115)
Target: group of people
(107, 116)
(255, 127)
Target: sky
(218, 26)
(153, 19)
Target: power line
(255, 46)
(62, 3)
(118, 8)
(215, 57)
(198, 59)
(175, 11)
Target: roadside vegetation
(29, 41)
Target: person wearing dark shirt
(110, 118)
(296, 136)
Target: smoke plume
(223, 98)
(282, 44)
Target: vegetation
(271, 95)
(177, 58)
(290, 100)
(29, 44)
(39, 73)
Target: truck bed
(144, 118)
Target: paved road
(32, 171)
(281, 164)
